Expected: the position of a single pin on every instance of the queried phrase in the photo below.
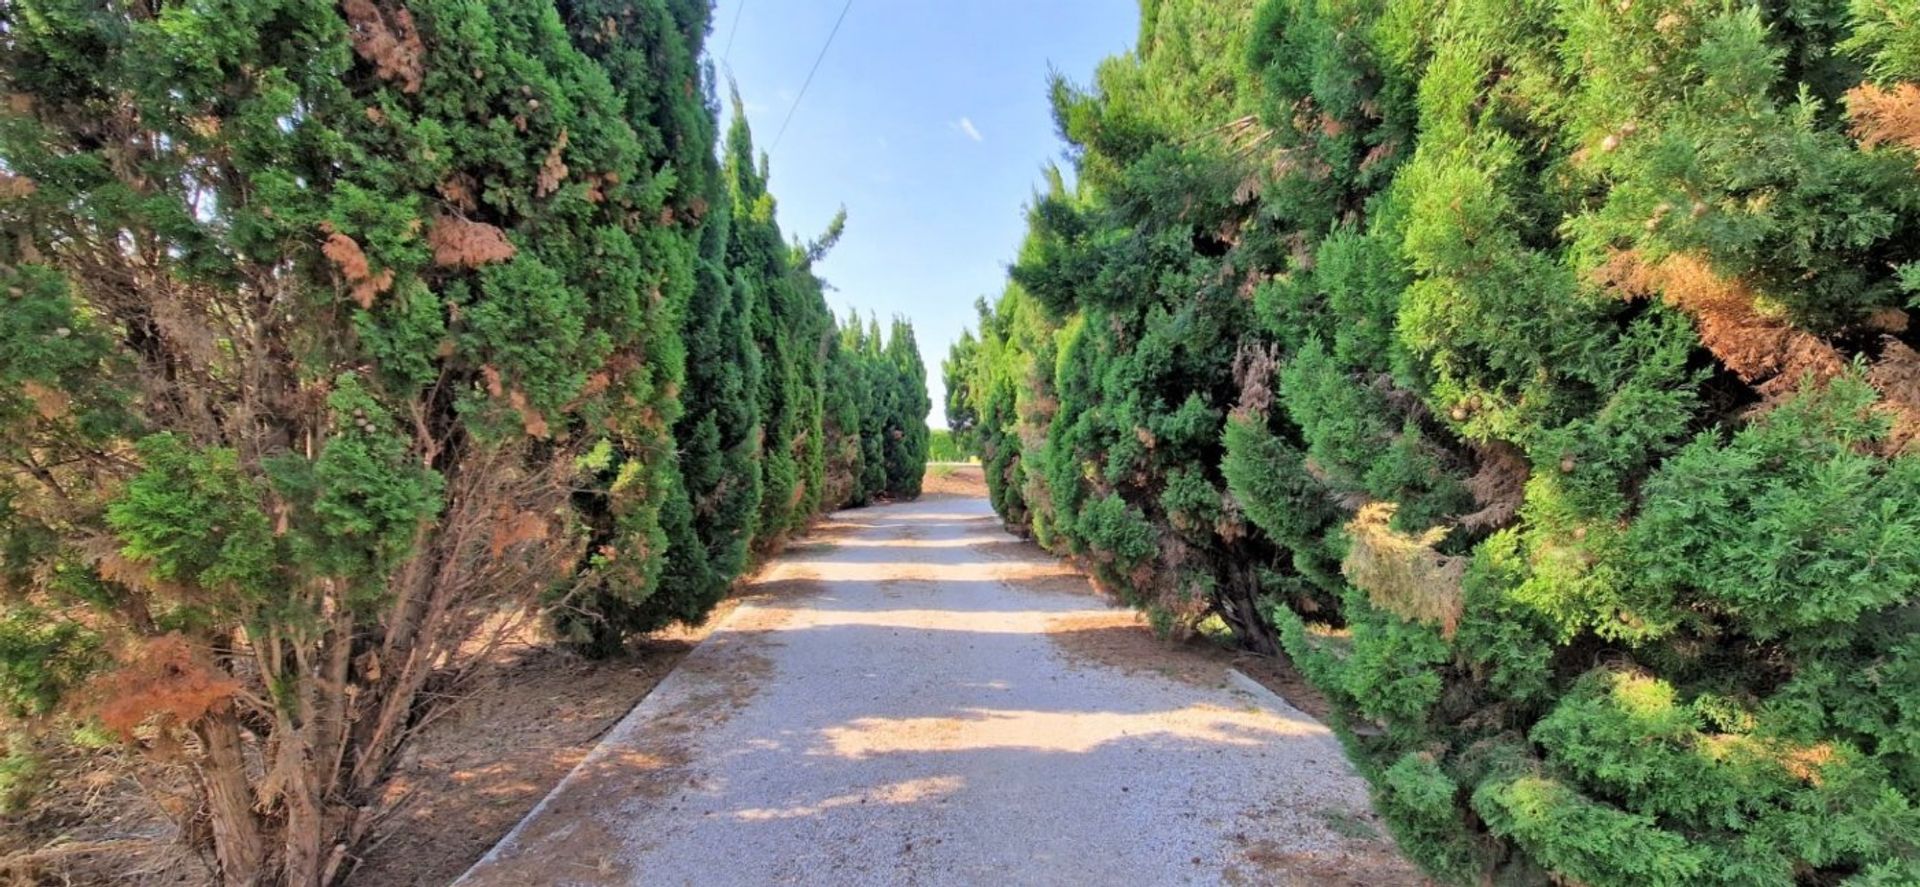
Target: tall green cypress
(844, 409)
(876, 382)
(906, 436)
(815, 341)
(957, 374)
(1145, 263)
(719, 433)
(762, 270)
(651, 53)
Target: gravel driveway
(908, 700)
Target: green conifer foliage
(1549, 367)
(1010, 381)
(334, 330)
(844, 409)
(319, 315)
(762, 270)
(650, 54)
(906, 435)
(1142, 265)
(719, 433)
(866, 344)
(963, 419)
(815, 338)
(890, 383)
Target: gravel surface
(898, 706)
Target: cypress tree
(320, 315)
(1556, 330)
(650, 53)
(865, 343)
(815, 339)
(1131, 263)
(957, 373)
(719, 433)
(844, 399)
(762, 270)
(906, 435)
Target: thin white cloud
(965, 125)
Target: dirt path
(917, 698)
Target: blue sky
(928, 120)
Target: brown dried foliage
(491, 376)
(1231, 525)
(1886, 116)
(1253, 370)
(1896, 375)
(13, 187)
(388, 41)
(1768, 353)
(1498, 487)
(459, 191)
(531, 420)
(1888, 320)
(51, 403)
(459, 243)
(161, 680)
(1403, 574)
(1763, 351)
(346, 254)
(553, 170)
(511, 529)
(1380, 153)
(118, 568)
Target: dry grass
(102, 816)
(475, 773)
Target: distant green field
(944, 449)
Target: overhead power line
(732, 32)
(816, 69)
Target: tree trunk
(1241, 608)
(237, 842)
(307, 827)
